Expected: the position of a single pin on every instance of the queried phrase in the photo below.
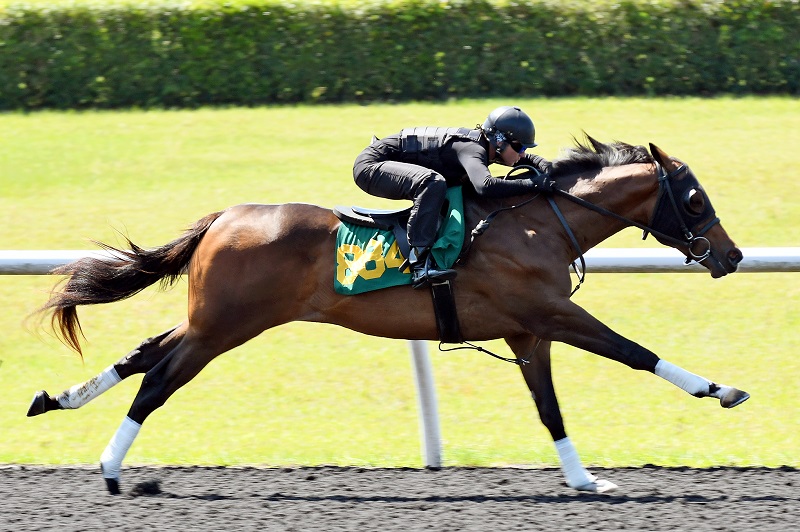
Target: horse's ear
(599, 147)
(659, 155)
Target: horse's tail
(91, 281)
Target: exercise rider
(420, 163)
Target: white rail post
(430, 435)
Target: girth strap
(444, 307)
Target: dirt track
(334, 498)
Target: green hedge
(247, 54)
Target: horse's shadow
(567, 498)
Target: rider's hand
(541, 183)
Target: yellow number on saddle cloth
(362, 267)
(369, 262)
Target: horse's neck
(628, 191)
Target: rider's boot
(424, 270)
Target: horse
(252, 267)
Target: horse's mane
(593, 155)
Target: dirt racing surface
(358, 499)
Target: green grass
(312, 394)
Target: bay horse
(253, 267)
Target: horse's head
(684, 218)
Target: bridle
(666, 197)
(669, 223)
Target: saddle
(396, 222)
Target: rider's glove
(541, 183)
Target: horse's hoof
(113, 486)
(42, 403)
(733, 398)
(111, 483)
(598, 486)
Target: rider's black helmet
(512, 123)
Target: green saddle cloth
(369, 259)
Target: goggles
(502, 143)
(517, 146)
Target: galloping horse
(254, 267)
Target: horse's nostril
(735, 256)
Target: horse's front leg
(140, 360)
(539, 378)
(569, 323)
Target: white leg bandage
(80, 394)
(571, 465)
(691, 383)
(111, 459)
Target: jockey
(420, 163)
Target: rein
(483, 225)
(664, 191)
(664, 185)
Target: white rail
(598, 260)
(649, 260)
(668, 260)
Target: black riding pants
(379, 176)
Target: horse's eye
(694, 202)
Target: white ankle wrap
(571, 465)
(80, 394)
(111, 459)
(689, 382)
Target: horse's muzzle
(722, 266)
(734, 258)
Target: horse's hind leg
(140, 360)
(179, 367)
(539, 378)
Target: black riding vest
(426, 141)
